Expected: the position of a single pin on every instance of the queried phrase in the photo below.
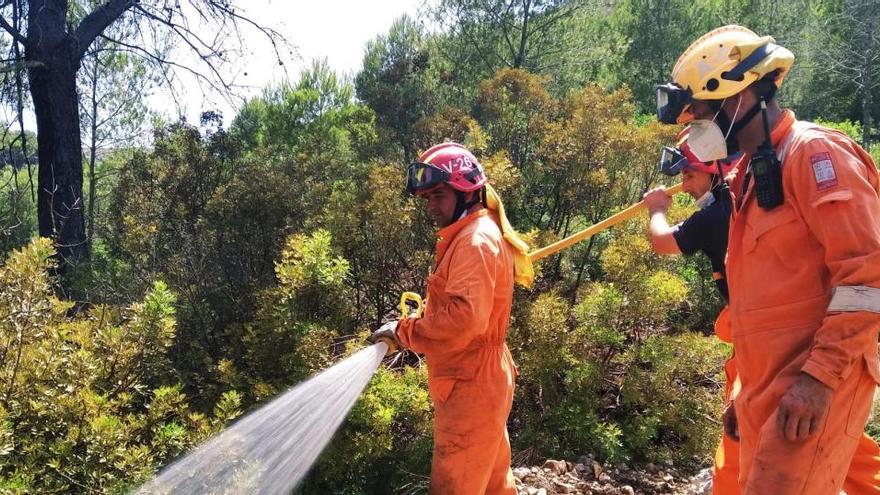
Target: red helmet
(450, 163)
(674, 160)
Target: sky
(337, 30)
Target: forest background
(223, 264)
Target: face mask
(705, 200)
(707, 141)
(711, 143)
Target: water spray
(271, 449)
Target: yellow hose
(596, 228)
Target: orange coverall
(470, 370)
(783, 265)
(863, 477)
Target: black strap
(738, 72)
(462, 206)
(473, 173)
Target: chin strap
(767, 89)
(461, 206)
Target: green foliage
(280, 241)
(398, 84)
(604, 376)
(292, 334)
(87, 400)
(18, 211)
(852, 129)
(386, 441)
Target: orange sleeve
(834, 185)
(470, 291)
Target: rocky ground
(588, 477)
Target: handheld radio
(767, 169)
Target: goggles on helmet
(671, 101)
(672, 161)
(422, 176)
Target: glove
(386, 333)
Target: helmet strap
(461, 205)
(765, 92)
(725, 190)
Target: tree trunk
(520, 55)
(93, 157)
(59, 148)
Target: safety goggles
(672, 161)
(422, 176)
(672, 99)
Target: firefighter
(462, 333)
(803, 264)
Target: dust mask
(706, 141)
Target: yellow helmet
(720, 64)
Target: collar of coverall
(446, 234)
(783, 127)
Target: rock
(701, 484)
(521, 472)
(594, 478)
(561, 487)
(556, 467)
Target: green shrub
(605, 376)
(384, 444)
(848, 127)
(87, 401)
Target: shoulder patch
(823, 170)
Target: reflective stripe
(854, 298)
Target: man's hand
(728, 419)
(386, 333)
(803, 407)
(657, 200)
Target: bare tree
(855, 53)
(48, 40)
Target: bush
(386, 442)
(88, 400)
(604, 376)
